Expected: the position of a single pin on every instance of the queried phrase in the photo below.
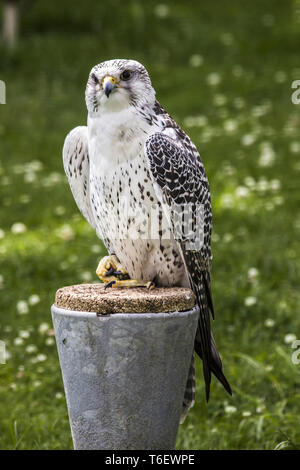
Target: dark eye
(93, 76)
(125, 75)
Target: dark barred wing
(181, 186)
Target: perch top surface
(94, 298)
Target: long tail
(211, 359)
(216, 366)
(204, 344)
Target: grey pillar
(124, 373)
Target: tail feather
(216, 365)
(211, 361)
(204, 344)
(189, 394)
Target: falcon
(139, 181)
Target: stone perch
(125, 356)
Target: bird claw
(111, 272)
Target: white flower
(275, 185)
(246, 414)
(18, 341)
(37, 383)
(43, 328)
(22, 307)
(215, 237)
(252, 274)
(31, 348)
(86, 276)
(65, 232)
(195, 121)
(262, 185)
(290, 338)
(161, 10)
(24, 334)
(29, 177)
(33, 299)
(7, 355)
(227, 39)
(239, 102)
(228, 237)
(260, 110)
(200, 120)
(267, 155)
(295, 147)
(250, 182)
(227, 201)
(230, 125)
(280, 76)
(230, 409)
(2, 234)
(220, 100)
(260, 409)
(269, 322)
(196, 60)
(213, 79)
(60, 210)
(64, 265)
(249, 301)
(229, 169)
(53, 179)
(18, 227)
(34, 165)
(248, 139)
(269, 368)
(95, 249)
(242, 191)
(58, 395)
(278, 200)
(41, 357)
(49, 341)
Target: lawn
(224, 72)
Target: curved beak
(109, 84)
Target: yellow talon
(107, 264)
(111, 272)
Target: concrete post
(124, 373)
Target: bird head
(117, 84)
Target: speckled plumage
(130, 162)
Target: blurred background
(224, 71)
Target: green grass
(249, 141)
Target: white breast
(121, 189)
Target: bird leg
(111, 272)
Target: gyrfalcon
(139, 181)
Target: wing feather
(77, 168)
(179, 179)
